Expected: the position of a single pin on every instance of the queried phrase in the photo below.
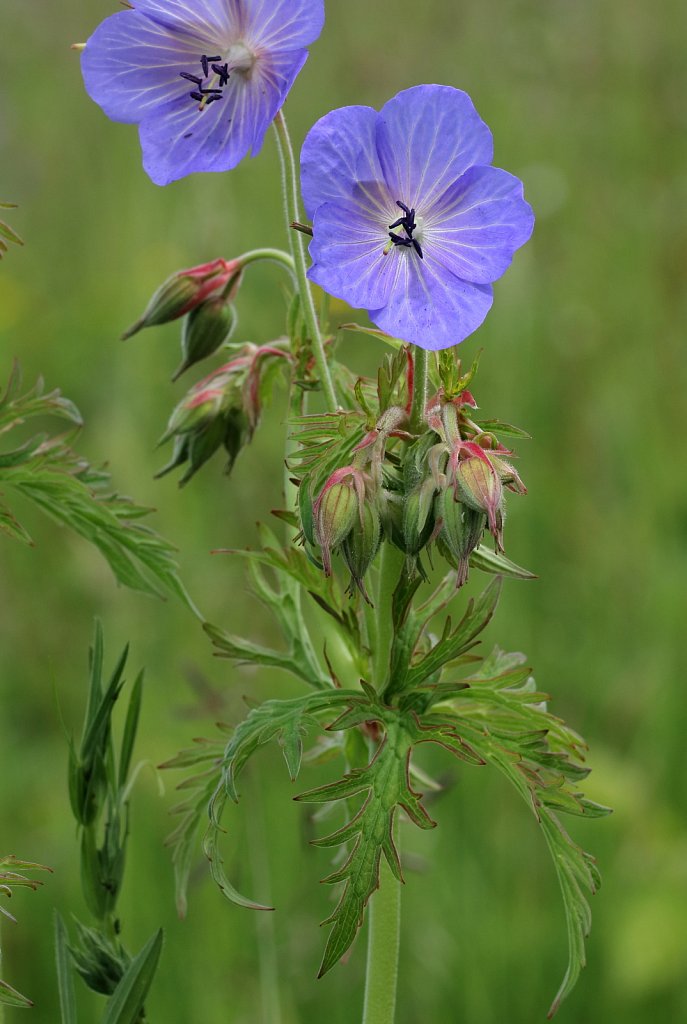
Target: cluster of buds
(349, 512)
(205, 296)
(220, 411)
(446, 488)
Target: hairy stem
(391, 563)
(292, 204)
(383, 944)
(271, 256)
(420, 389)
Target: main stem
(383, 944)
(384, 913)
(292, 203)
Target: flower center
(410, 226)
(216, 73)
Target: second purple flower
(410, 220)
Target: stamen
(409, 225)
(205, 61)
(207, 95)
(223, 71)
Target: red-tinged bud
(206, 329)
(461, 529)
(183, 291)
(478, 485)
(362, 543)
(338, 508)
(508, 474)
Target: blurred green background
(584, 348)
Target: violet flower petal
(204, 19)
(479, 222)
(281, 24)
(427, 137)
(339, 152)
(430, 306)
(131, 66)
(181, 139)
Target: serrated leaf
(385, 785)
(504, 720)
(126, 1003)
(222, 764)
(458, 641)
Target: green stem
(420, 389)
(383, 944)
(391, 563)
(272, 256)
(292, 205)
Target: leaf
(385, 785)
(497, 427)
(126, 1003)
(283, 599)
(372, 332)
(456, 642)
(220, 767)
(11, 236)
(503, 718)
(489, 561)
(10, 997)
(46, 471)
(65, 979)
(130, 729)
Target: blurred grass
(585, 348)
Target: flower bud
(206, 329)
(479, 487)
(100, 962)
(337, 509)
(461, 530)
(183, 291)
(418, 520)
(362, 543)
(508, 474)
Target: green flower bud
(418, 518)
(336, 510)
(362, 543)
(183, 291)
(478, 485)
(206, 329)
(461, 530)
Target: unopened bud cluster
(443, 487)
(220, 411)
(204, 295)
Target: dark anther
(197, 96)
(407, 222)
(191, 78)
(223, 71)
(205, 62)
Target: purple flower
(410, 220)
(203, 79)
